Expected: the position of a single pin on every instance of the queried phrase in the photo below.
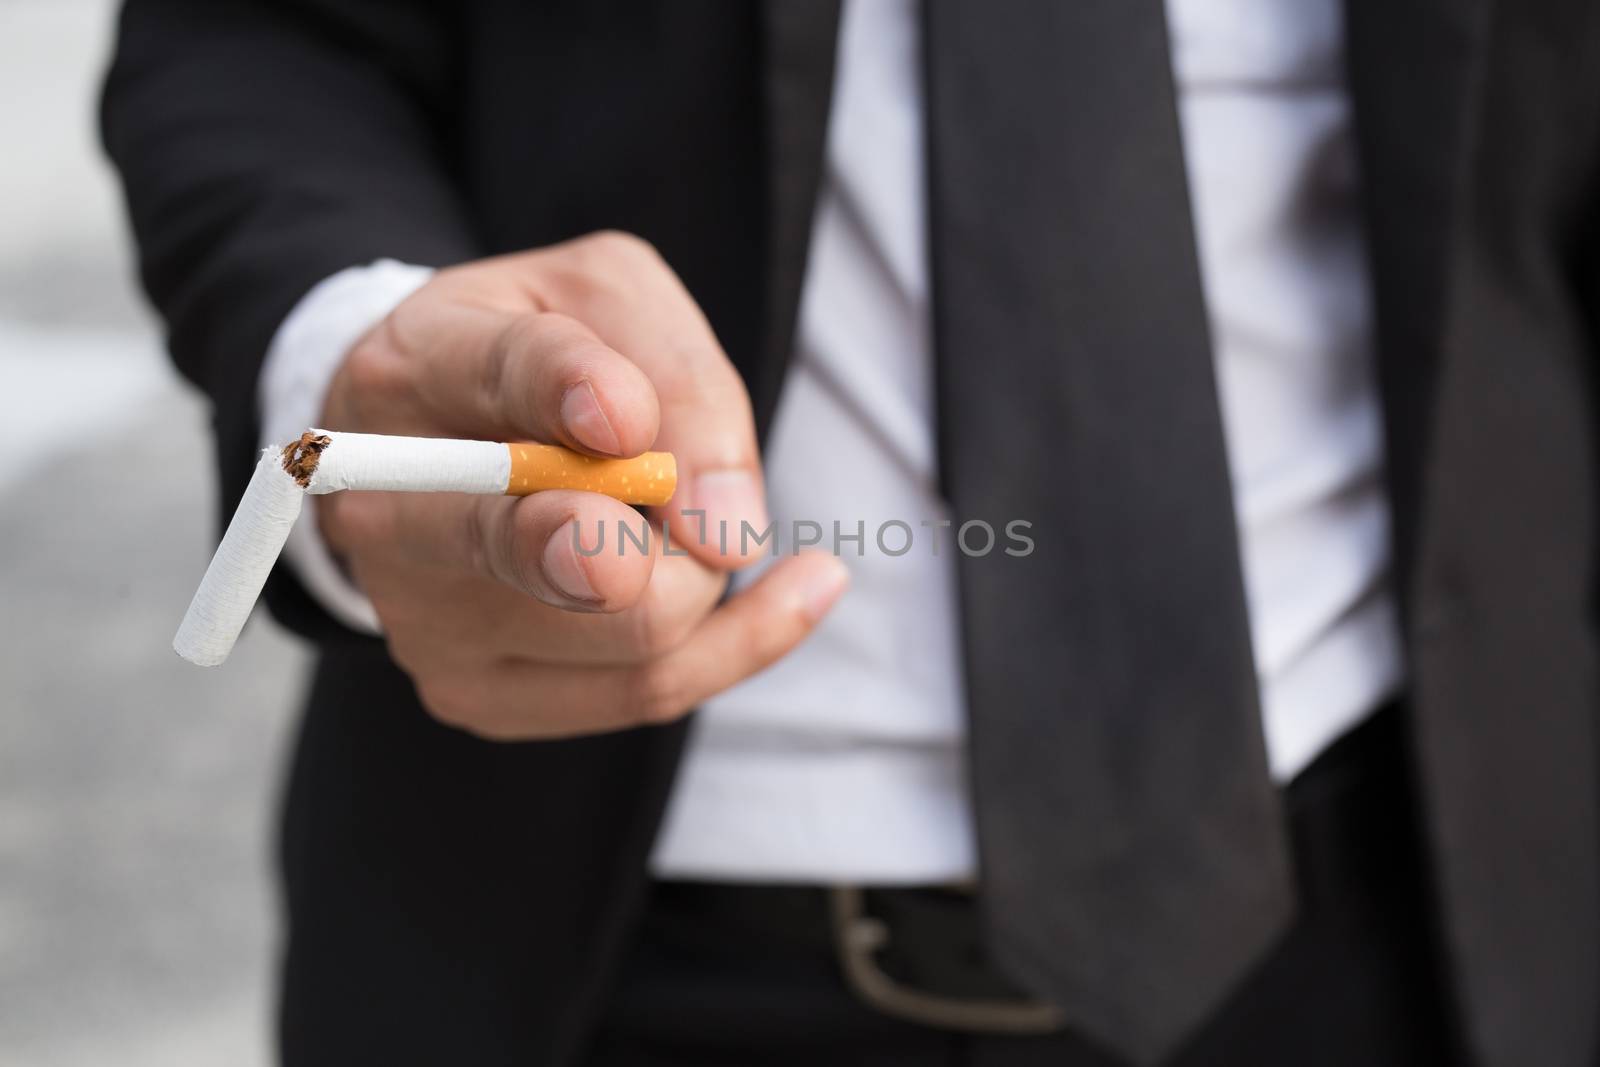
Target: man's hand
(506, 629)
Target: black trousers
(749, 975)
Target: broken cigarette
(324, 462)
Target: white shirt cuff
(301, 361)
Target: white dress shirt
(845, 761)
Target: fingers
(434, 615)
(570, 550)
(720, 494)
(620, 287)
(528, 617)
(747, 634)
(594, 344)
(519, 700)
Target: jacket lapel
(798, 39)
(1413, 71)
(1523, 992)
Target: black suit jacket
(454, 900)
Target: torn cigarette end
(300, 457)
(255, 536)
(321, 462)
(649, 479)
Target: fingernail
(564, 569)
(730, 497)
(586, 422)
(822, 589)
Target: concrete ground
(136, 792)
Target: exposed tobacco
(300, 457)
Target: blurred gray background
(136, 792)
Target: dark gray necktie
(1134, 865)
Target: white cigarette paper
(324, 462)
(410, 465)
(245, 557)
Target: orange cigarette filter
(649, 478)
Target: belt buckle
(859, 936)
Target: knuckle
(375, 380)
(726, 393)
(373, 367)
(617, 267)
(404, 324)
(622, 246)
(367, 364)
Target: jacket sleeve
(264, 145)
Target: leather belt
(914, 954)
